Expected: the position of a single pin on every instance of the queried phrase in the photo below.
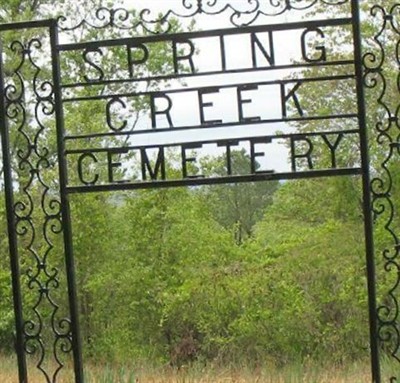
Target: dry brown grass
(357, 373)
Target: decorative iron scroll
(29, 96)
(31, 108)
(382, 80)
(240, 14)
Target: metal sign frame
(48, 100)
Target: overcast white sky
(264, 102)
(224, 106)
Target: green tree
(161, 240)
(237, 206)
(312, 232)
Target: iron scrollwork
(379, 70)
(29, 109)
(38, 208)
(240, 14)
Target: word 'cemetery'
(268, 98)
(103, 165)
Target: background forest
(241, 274)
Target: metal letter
(185, 160)
(333, 147)
(306, 155)
(241, 101)
(115, 100)
(154, 110)
(286, 97)
(93, 65)
(228, 146)
(132, 61)
(255, 42)
(188, 57)
(80, 168)
(112, 165)
(254, 154)
(203, 104)
(160, 164)
(321, 48)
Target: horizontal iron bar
(208, 33)
(214, 126)
(216, 87)
(208, 73)
(27, 24)
(214, 141)
(215, 181)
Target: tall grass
(103, 373)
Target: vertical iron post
(65, 208)
(11, 227)
(367, 200)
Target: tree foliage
(161, 275)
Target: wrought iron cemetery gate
(38, 80)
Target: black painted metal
(213, 181)
(12, 232)
(33, 210)
(204, 88)
(209, 73)
(51, 97)
(381, 76)
(65, 210)
(367, 202)
(121, 19)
